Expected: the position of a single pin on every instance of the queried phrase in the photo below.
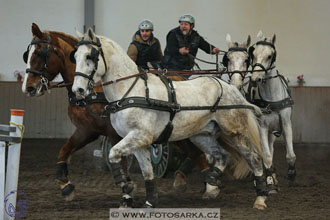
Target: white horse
(271, 92)
(237, 61)
(140, 127)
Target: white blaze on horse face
(28, 66)
(263, 55)
(84, 66)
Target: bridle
(45, 53)
(264, 69)
(94, 57)
(225, 61)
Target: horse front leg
(138, 143)
(78, 140)
(143, 157)
(119, 173)
(290, 155)
(272, 182)
(267, 141)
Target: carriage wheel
(106, 147)
(161, 155)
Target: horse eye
(88, 57)
(269, 57)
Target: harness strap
(160, 105)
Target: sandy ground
(96, 192)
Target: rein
(165, 72)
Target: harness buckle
(118, 105)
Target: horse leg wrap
(212, 176)
(186, 167)
(126, 201)
(271, 178)
(62, 172)
(151, 194)
(292, 172)
(117, 173)
(260, 185)
(68, 189)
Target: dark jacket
(175, 40)
(141, 51)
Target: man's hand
(184, 50)
(215, 50)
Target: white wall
(302, 27)
(16, 18)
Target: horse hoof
(260, 203)
(211, 194)
(148, 205)
(126, 203)
(273, 191)
(70, 197)
(259, 206)
(179, 184)
(68, 192)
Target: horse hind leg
(207, 143)
(78, 140)
(255, 162)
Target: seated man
(182, 41)
(145, 47)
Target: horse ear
(248, 41)
(79, 35)
(274, 39)
(36, 31)
(260, 35)
(91, 33)
(228, 39)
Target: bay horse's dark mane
(66, 37)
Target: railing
(9, 171)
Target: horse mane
(65, 37)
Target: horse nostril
(81, 90)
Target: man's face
(145, 34)
(185, 27)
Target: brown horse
(46, 57)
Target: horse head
(263, 57)
(89, 65)
(237, 59)
(46, 56)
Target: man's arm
(132, 52)
(206, 47)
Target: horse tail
(253, 133)
(238, 166)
